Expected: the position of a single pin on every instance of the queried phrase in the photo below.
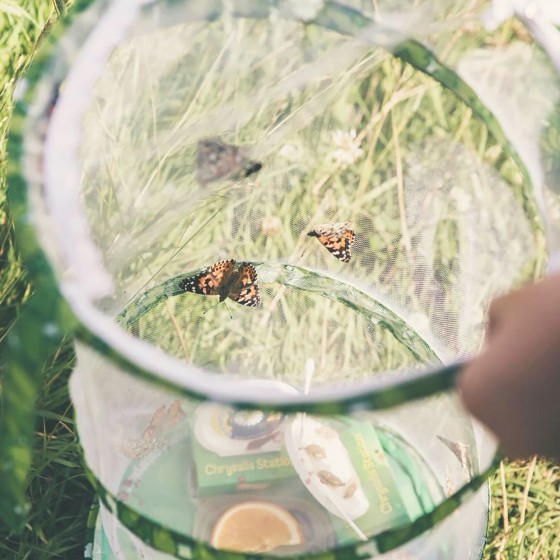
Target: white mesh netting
(231, 134)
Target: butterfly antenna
(308, 229)
(306, 248)
(210, 308)
(177, 251)
(230, 315)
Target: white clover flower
(347, 148)
(289, 152)
(271, 225)
(462, 199)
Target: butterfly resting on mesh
(337, 238)
(217, 160)
(225, 280)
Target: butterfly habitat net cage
(274, 228)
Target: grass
(525, 496)
(57, 487)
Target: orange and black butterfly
(217, 160)
(226, 280)
(337, 238)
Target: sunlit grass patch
(525, 495)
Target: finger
(513, 389)
(501, 310)
(486, 399)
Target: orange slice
(256, 527)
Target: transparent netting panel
(226, 476)
(447, 540)
(295, 198)
(311, 321)
(233, 135)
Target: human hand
(513, 387)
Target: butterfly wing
(217, 160)
(337, 238)
(245, 290)
(209, 281)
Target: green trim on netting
(165, 539)
(400, 388)
(377, 394)
(48, 312)
(306, 280)
(345, 19)
(91, 524)
(393, 391)
(334, 16)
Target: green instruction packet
(215, 474)
(386, 505)
(238, 474)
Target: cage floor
(141, 483)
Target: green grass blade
(27, 346)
